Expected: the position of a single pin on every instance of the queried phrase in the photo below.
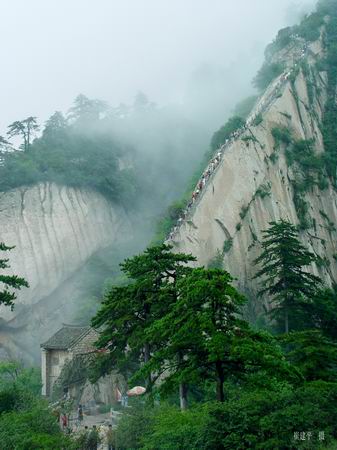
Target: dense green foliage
(267, 73)
(127, 311)
(70, 153)
(281, 135)
(283, 38)
(7, 296)
(269, 417)
(26, 421)
(179, 330)
(270, 390)
(330, 114)
(309, 28)
(31, 428)
(170, 217)
(309, 169)
(220, 136)
(285, 279)
(14, 373)
(180, 321)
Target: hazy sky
(51, 50)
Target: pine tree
(284, 279)
(10, 281)
(127, 311)
(203, 338)
(24, 128)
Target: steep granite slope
(55, 230)
(256, 181)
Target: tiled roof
(66, 337)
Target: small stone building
(62, 347)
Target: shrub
(273, 157)
(220, 136)
(302, 209)
(248, 139)
(258, 120)
(32, 426)
(283, 38)
(134, 426)
(309, 28)
(169, 219)
(261, 419)
(281, 135)
(267, 73)
(264, 190)
(77, 161)
(217, 261)
(244, 211)
(227, 245)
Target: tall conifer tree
(283, 273)
(7, 297)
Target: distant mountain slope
(277, 166)
(55, 230)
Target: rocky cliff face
(255, 184)
(55, 230)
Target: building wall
(86, 344)
(55, 362)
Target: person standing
(80, 414)
(83, 438)
(110, 438)
(64, 421)
(93, 439)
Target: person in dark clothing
(80, 414)
(93, 439)
(83, 439)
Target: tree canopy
(10, 282)
(284, 278)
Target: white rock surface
(244, 168)
(55, 230)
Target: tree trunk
(183, 396)
(146, 360)
(286, 320)
(220, 382)
(28, 137)
(25, 141)
(182, 386)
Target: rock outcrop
(55, 229)
(254, 184)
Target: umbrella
(137, 390)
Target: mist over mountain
(168, 221)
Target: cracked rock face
(231, 208)
(55, 229)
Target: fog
(194, 61)
(184, 52)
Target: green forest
(215, 379)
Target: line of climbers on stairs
(267, 99)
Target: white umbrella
(137, 390)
